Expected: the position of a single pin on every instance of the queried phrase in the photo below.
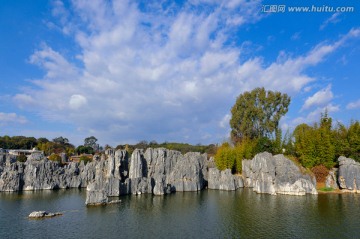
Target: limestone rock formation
(331, 179)
(224, 180)
(137, 168)
(43, 214)
(11, 177)
(276, 175)
(290, 180)
(187, 173)
(349, 174)
(96, 195)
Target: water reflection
(206, 214)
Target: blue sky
(126, 71)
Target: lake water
(206, 214)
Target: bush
(228, 157)
(55, 158)
(224, 157)
(85, 158)
(264, 144)
(21, 158)
(326, 189)
(320, 172)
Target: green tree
(228, 157)
(353, 137)
(223, 157)
(60, 140)
(81, 149)
(316, 145)
(326, 148)
(257, 114)
(305, 145)
(91, 142)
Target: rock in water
(11, 178)
(276, 174)
(43, 214)
(263, 170)
(187, 174)
(223, 180)
(349, 174)
(95, 196)
(137, 167)
(290, 180)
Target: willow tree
(256, 114)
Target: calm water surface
(206, 214)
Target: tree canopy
(91, 142)
(257, 113)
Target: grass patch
(326, 189)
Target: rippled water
(206, 214)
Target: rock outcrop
(331, 180)
(224, 180)
(161, 171)
(187, 173)
(349, 174)
(43, 214)
(276, 175)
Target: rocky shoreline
(161, 171)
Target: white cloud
(156, 76)
(315, 115)
(333, 19)
(224, 123)
(11, 118)
(77, 101)
(353, 105)
(296, 36)
(320, 98)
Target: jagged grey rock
(187, 174)
(331, 179)
(11, 177)
(137, 168)
(40, 175)
(160, 161)
(349, 174)
(263, 169)
(42, 214)
(140, 185)
(95, 196)
(247, 173)
(276, 175)
(122, 166)
(160, 187)
(224, 180)
(36, 156)
(290, 180)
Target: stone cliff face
(276, 175)
(349, 174)
(43, 174)
(224, 180)
(159, 171)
